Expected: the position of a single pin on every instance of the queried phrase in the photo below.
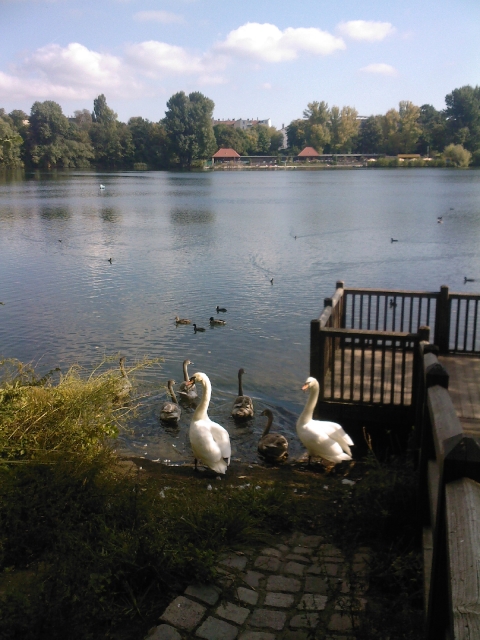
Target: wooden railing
(450, 506)
(454, 320)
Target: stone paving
(301, 588)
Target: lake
(183, 243)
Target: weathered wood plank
(463, 535)
(427, 562)
(446, 427)
(433, 475)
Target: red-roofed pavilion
(225, 155)
(309, 153)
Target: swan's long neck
(307, 413)
(172, 392)
(185, 371)
(201, 410)
(269, 424)
(240, 387)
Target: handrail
(449, 488)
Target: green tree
(297, 135)
(457, 156)
(463, 116)
(390, 128)
(112, 140)
(318, 136)
(227, 137)
(188, 123)
(408, 128)
(55, 142)
(370, 135)
(348, 129)
(149, 142)
(433, 130)
(10, 143)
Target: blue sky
(263, 58)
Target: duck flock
(210, 442)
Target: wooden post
(341, 311)
(442, 320)
(316, 353)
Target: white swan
(243, 406)
(187, 392)
(272, 446)
(210, 441)
(170, 411)
(324, 439)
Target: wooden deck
(371, 376)
(464, 388)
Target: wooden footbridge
(406, 365)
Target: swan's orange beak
(305, 387)
(191, 382)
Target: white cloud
(368, 30)
(380, 68)
(71, 72)
(164, 17)
(158, 58)
(268, 43)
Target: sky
(254, 59)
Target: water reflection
(191, 216)
(55, 213)
(109, 214)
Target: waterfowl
(393, 240)
(109, 260)
(102, 186)
(124, 385)
(181, 320)
(465, 279)
(210, 442)
(439, 219)
(195, 328)
(324, 439)
(271, 281)
(170, 411)
(214, 321)
(221, 309)
(243, 406)
(272, 446)
(187, 392)
(392, 303)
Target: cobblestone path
(298, 589)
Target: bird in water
(109, 260)
(182, 320)
(243, 405)
(271, 281)
(221, 309)
(210, 442)
(321, 438)
(393, 240)
(216, 322)
(195, 328)
(465, 279)
(102, 186)
(392, 303)
(272, 446)
(440, 219)
(170, 411)
(185, 391)
(124, 385)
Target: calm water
(182, 244)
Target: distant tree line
(46, 138)
(453, 132)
